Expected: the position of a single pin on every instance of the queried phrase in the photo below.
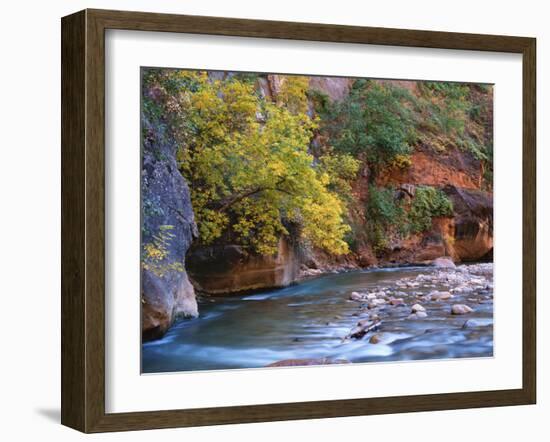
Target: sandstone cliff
(229, 268)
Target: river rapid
(409, 313)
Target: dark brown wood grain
(529, 220)
(83, 220)
(73, 129)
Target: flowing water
(309, 320)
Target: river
(310, 319)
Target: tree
(247, 162)
(374, 122)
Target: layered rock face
(435, 170)
(467, 235)
(336, 88)
(473, 223)
(166, 292)
(229, 268)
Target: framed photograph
(268, 221)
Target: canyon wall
(465, 235)
(168, 228)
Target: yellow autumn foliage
(247, 163)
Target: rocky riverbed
(456, 291)
(433, 312)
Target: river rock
(397, 301)
(311, 272)
(436, 295)
(444, 263)
(356, 296)
(461, 309)
(418, 315)
(471, 323)
(308, 361)
(417, 308)
(376, 303)
(375, 339)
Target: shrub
(385, 216)
(156, 254)
(375, 122)
(428, 203)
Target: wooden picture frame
(83, 219)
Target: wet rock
(363, 327)
(471, 323)
(461, 309)
(397, 301)
(356, 296)
(375, 339)
(376, 303)
(444, 263)
(311, 272)
(436, 295)
(417, 308)
(304, 362)
(418, 315)
(462, 289)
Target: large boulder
(223, 269)
(168, 225)
(473, 223)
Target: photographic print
(296, 220)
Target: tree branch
(230, 201)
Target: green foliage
(382, 206)
(389, 217)
(450, 109)
(375, 122)
(247, 161)
(428, 202)
(385, 216)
